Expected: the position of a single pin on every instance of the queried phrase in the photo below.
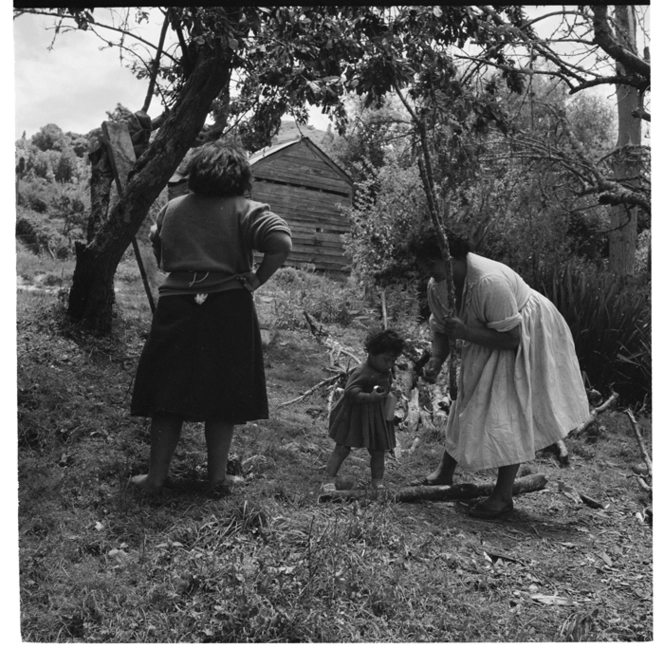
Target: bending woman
(203, 359)
(519, 387)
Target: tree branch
(126, 33)
(155, 64)
(608, 42)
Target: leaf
(605, 557)
(570, 492)
(551, 599)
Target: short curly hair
(219, 169)
(387, 340)
(425, 245)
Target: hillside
(269, 563)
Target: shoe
(479, 511)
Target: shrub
(38, 233)
(328, 300)
(610, 320)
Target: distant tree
(282, 54)
(286, 58)
(50, 138)
(592, 46)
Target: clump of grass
(610, 320)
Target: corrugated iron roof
(270, 150)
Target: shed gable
(306, 188)
(301, 163)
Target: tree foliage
(250, 65)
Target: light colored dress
(510, 403)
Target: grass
(268, 563)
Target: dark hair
(219, 169)
(425, 245)
(387, 340)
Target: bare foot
(143, 482)
(228, 480)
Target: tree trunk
(91, 294)
(101, 180)
(622, 238)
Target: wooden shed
(305, 187)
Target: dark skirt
(203, 362)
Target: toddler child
(362, 417)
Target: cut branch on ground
(454, 492)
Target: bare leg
(377, 468)
(218, 437)
(164, 435)
(444, 473)
(501, 496)
(337, 457)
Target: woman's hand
(249, 280)
(455, 328)
(431, 369)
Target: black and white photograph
(333, 327)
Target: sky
(75, 83)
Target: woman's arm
(496, 340)
(277, 249)
(440, 348)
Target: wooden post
(122, 157)
(383, 303)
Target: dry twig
(594, 412)
(645, 484)
(322, 383)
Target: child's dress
(363, 425)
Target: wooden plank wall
(305, 191)
(315, 221)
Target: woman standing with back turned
(203, 359)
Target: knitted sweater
(205, 242)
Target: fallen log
(413, 417)
(593, 414)
(411, 494)
(440, 405)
